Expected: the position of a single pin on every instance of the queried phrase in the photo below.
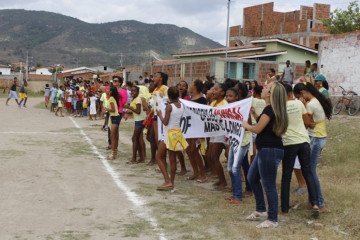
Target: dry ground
(54, 187)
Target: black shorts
(115, 120)
(79, 105)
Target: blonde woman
(271, 124)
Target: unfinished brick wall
(195, 70)
(263, 69)
(298, 70)
(235, 31)
(321, 11)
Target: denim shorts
(155, 118)
(115, 120)
(139, 124)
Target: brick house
(84, 72)
(249, 62)
(302, 26)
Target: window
(182, 70)
(316, 46)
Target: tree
(342, 21)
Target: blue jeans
(265, 167)
(233, 167)
(316, 144)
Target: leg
(288, 161)
(316, 144)
(172, 166)
(235, 169)
(268, 164)
(191, 153)
(142, 146)
(180, 156)
(161, 160)
(304, 159)
(300, 178)
(135, 142)
(254, 180)
(25, 101)
(209, 162)
(153, 146)
(245, 166)
(215, 160)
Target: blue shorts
(115, 120)
(155, 118)
(139, 124)
(12, 94)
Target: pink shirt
(122, 99)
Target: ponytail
(324, 101)
(278, 103)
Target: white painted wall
(339, 61)
(5, 71)
(43, 71)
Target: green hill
(54, 38)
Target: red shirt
(79, 95)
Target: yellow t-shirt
(144, 93)
(315, 109)
(258, 105)
(162, 92)
(296, 132)
(246, 138)
(112, 100)
(140, 116)
(221, 103)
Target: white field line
(137, 201)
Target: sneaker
(301, 191)
(19, 105)
(256, 216)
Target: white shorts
(297, 163)
(218, 139)
(13, 94)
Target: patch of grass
(69, 235)
(10, 153)
(134, 229)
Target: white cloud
(206, 17)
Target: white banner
(202, 121)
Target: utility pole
(227, 42)
(27, 66)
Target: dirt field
(55, 184)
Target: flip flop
(165, 188)
(201, 181)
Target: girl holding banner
(217, 144)
(271, 124)
(174, 140)
(235, 163)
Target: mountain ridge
(55, 38)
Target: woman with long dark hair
(271, 124)
(113, 109)
(319, 108)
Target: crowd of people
(287, 123)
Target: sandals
(256, 216)
(267, 224)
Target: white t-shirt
(70, 94)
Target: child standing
(46, 94)
(22, 94)
(139, 116)
(60, 101)
(92, 106)
(175, 141)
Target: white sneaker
(268, 224)
(257, 216)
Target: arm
(136, 110)
(144, 104)
(264, 120)
(253, 113)
(165, 120)
(112, 107)
(282, 76)
(307, 120)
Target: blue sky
(206, 17)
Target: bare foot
(216, 184)
(182, 172)
(193, 177)
(165, 186)
(150, 163)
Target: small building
(339, 62)
(103, 69)
(5, 70)
(108, 76)
(42, 71)
(303, 26)
(82, 72)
